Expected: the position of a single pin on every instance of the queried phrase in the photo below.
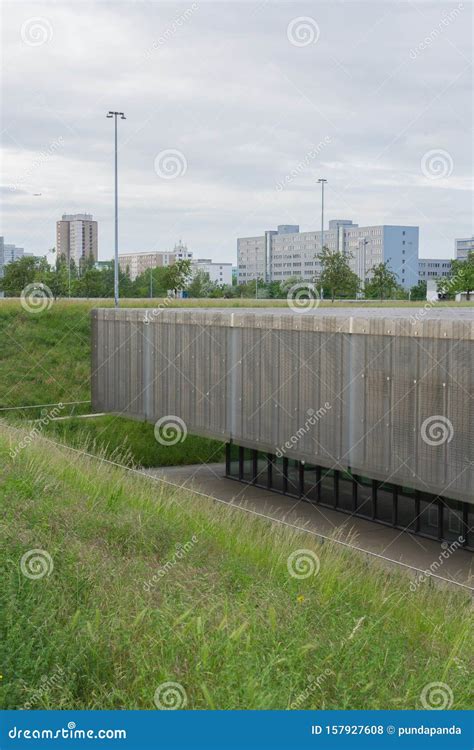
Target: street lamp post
(361, 265)
(322, 181)
(116, 267)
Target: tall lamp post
(116, 267)
(361, 265)
(322, 181)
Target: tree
(179, 274)
(153, 282)
(200, 285)
(383, 283)
(461, 277)
(336, 275)
(17, 275)
(418, 291)
(275, 290)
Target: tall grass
(134, 440)
(223, 617)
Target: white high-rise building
(76, 238)
(288, 253)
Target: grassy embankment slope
(45, 358)
(226, 621)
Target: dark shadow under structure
(413, 511)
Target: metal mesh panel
(342, 391)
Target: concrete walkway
(394, 545)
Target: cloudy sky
(233, 112)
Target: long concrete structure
(386, 396)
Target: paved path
(393, 544)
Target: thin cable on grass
(71, 416)
(39, 406)
(167, 482)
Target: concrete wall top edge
(447, 323)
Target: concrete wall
(341, 390)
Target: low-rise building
(219, 273)
(434, 268)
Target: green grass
(134, 441)
(45, 358)
(226, 620)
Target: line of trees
(336, 280)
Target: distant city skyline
(233, 112)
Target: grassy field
(144, 586)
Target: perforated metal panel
(341, 390)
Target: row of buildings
(284, 253)
(76, 240)
(275, 255)
(137, 263)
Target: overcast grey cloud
(376, 97)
